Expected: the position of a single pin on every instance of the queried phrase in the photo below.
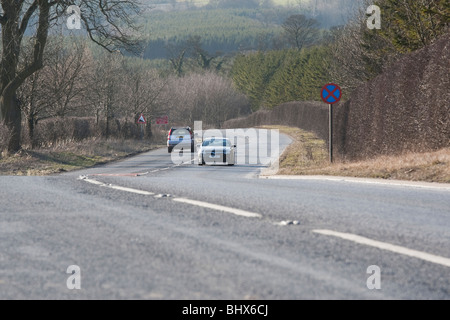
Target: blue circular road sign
(331, 93)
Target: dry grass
(70, 156)
(308, 155)
(306, 151)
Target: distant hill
(221, 30)
(328, 12)
(227, 27)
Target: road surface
(146, 228)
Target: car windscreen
(217, 143)
(181, 132)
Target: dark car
(183, 137)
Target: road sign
(163, 120)
(141, 119)
(331, 93)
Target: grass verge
(308, 155)
(70, 156)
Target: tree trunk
(31, 125)
(12, 118)
(149, 132)
(107, 129)
(97, 117)
(10, 78)
(108, 121)
(119, 127)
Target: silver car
(181, 138)
(216, 151)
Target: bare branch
(27, 16)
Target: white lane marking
(119, 174)
(387, 246)
(145, 193)
(92, 181)
(396, 183)
(237, 212)
(157, 170)
(98, 183)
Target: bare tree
(222, 101)
(109, 23)
(105, 93)
(143, 91)
(300, 30)
(33, 102)
(66, 69)
(207, 97)
(58, 88)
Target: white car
(216, 151)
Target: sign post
(142, 122)
(331, 93)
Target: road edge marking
(394, 183)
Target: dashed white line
(91, 181)
(347, 236)
(387, 246)
(119, 174)
(98, 183)
(145, 193)
(208, 205)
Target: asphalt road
(146, 228)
